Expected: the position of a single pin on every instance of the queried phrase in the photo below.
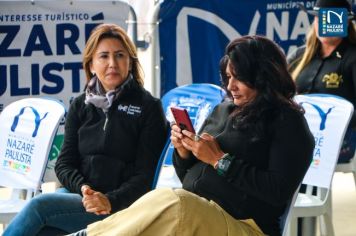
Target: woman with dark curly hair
(242, 169)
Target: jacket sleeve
(67, 165)
(289, 157)
(181, 165)
(150, 144)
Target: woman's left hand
(205, 148)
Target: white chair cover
(27, 129)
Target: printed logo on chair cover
(28, 127)
(37, 120)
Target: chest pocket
(334, 79)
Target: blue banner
(41, 46)
(193, 34)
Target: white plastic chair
(328, 117)
(199, 100)
(27, 129)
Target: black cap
(329, 4)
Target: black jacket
(265, 173)
(119, 161)
(335, 74)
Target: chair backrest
(199, 100)
(27, 129)
(328, 117)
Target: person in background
(114, 134)
(240, 173)
(328, 65)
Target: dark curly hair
(224, 79)
(260, 64)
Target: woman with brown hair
(114, 135)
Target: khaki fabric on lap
(166, 212)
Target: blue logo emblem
(333, 22)
(323, 114)
(38, 120)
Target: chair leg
(326, 225)
(308, 226)
(328, 204)
(292, 227)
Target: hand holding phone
(182, 119)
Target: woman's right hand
(176, 138)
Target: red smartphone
(182, 119)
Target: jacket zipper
(106, 120)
